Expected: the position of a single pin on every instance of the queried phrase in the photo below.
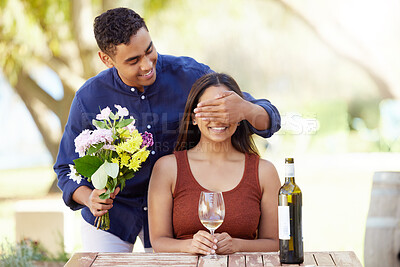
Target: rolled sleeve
(274, 116)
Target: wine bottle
(289, 216)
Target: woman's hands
(203, 243)
(225, 244)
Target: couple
(213, 156)
(155, 90)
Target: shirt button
(145, 208)
(142, 97)
(153, 152)
(133, 89)
(149, 126)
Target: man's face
(136, 62)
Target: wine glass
(211, 210)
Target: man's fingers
(224, 94)
(218, 100)
(100, 209)
(212, 115)
(99, 213)
(98, 192)
(102, 206)
(116, 191)
(208, 103)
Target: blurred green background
(331, 67)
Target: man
(154, 88)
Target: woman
(213, 156)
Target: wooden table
(334, 258)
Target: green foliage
(367, 110)
(29, 31)
(124, 123)
(152, 7)
(87, 165)
(26, 253)
(99, 124)
(332, 115)
(94, 148)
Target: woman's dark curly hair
(116, 26)
(189, 134)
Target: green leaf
(111, 185)
(87, 165)
(99, 124)
(113, 116)
(124, 123)
(115, 181)
(105, 195)
(112, 169)
(94, 148)
(128, 175)
(122, 184)
(99, 178)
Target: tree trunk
(37, 102)
(82, 29)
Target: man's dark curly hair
(116, 26)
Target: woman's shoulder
(166, 162)
(266, 165)
(268, 173)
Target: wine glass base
(210, 257)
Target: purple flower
(87, 138)
(82, 142)
(101, 136)
(147, 139)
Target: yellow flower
(115, 160)
(141, 155)
(123, 133)
(134, 164)
(124, 159)
(131, 145)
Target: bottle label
(289, 170)
(284, 222)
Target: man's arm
(66, 154)
(75, 195)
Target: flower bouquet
(110, 154)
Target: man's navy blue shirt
(157, 110)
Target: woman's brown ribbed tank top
(242, 203)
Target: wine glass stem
(212, 231)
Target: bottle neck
(289, 180)
(289, 172)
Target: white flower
(104, 114)
(131, 127)
(74, 175)
(122, 111)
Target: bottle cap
(289, 160)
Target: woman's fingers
(225, 244)
(204, 243)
